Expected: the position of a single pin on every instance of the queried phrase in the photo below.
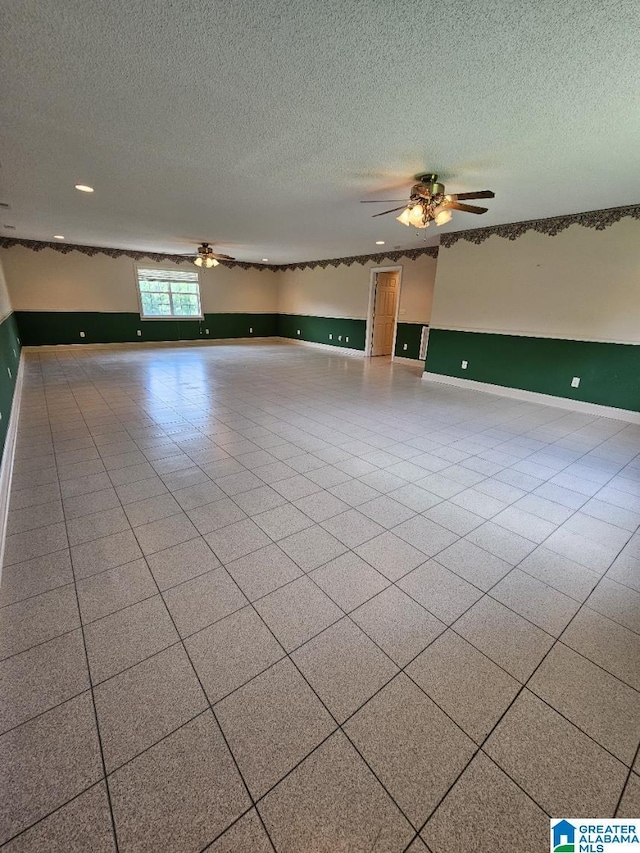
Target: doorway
(384, 299)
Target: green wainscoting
(318, 329)
(38, 328)
(409, 334)
(9, 363)
(609, 373)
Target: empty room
(319, 427)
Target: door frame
(368, 340)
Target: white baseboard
(198, 342)
(535, 397)
(404, 360)
(331, 347)
(6, 469)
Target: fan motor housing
(427, 188)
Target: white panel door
(384, 313)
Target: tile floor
(260, 597)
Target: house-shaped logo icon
(564, 837)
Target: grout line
(93, 700)
(310, 571)
(31, 597)
(604, 441)
(59, 808)
(626, 783)
(46, 711)
(288, 656)
(211, 709)
(495, 726)
(523, 686)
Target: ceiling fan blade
(383, 200)
(220, 257)
(478, 194)
(467, 208)
(393, 210)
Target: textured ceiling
(259, 125)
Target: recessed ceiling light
(58, 236)
(379, 242)
(265, 260)
(84, 188)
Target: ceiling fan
(207, 258)
(428, 203)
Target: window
(171, 294)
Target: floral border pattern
(598, 219)
(410, 254)
(65, 248)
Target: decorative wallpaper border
(598, 219)
(410, 254)
(65, 248)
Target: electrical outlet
(250, 330)
(404, 346)
(82, 334)
(139, 333)
(330, 337)
(464, 365)
(298, 331)
(575, 382)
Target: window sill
(199, 317)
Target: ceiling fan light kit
(428, 203)
(207, 258)
(207, 263)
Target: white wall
(344, 291)
(418, 281)
(51, 281)
(582, 284)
